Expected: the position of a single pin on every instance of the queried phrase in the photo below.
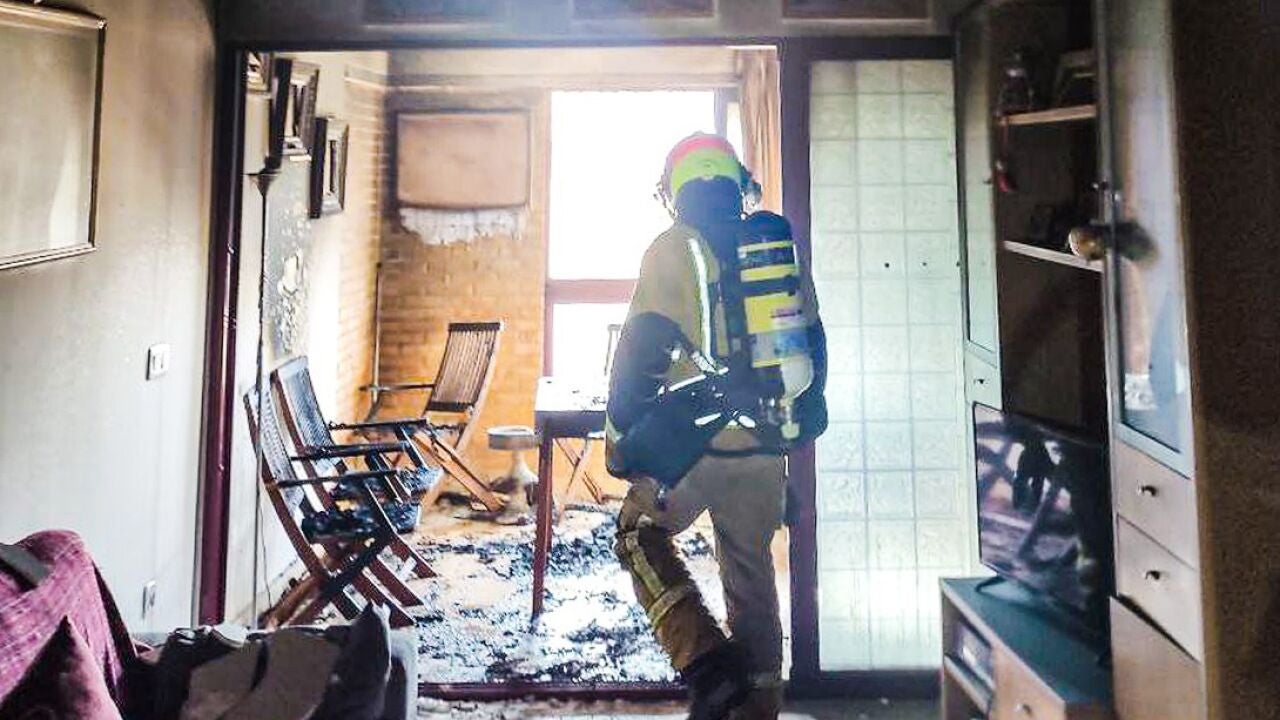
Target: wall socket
(149, 599)
(157, 360)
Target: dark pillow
(358, 687)
(65, 682)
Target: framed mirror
(52, 88)
(329, 167)
(293, 109)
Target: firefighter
(739, 475)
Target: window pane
(581, 337)
(607, 152)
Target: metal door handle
(1148, 490)
(1153, 575)
(1023, 709)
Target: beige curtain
(761, 108)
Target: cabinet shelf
(1053, 256)
(978, 693)
(1072, 113)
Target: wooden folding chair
(580, 459)
(458, 391)
(310, 432)
(336, 545)
(324, 458)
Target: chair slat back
(470, 354)
(611, 346)
(276, 465)
(302, 413)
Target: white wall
(86, 442)
(321, 244)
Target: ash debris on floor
(430, 709)
(592, 629)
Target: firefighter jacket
(679, 281)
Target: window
(607, 153)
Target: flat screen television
(1044, 511)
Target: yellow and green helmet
(701, 157)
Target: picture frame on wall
(856, 9)
(445, 12)
(329, 167)
(463, 160)
(623, 9)
(52, 87)
(293, 109)
(258, 71)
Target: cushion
(299, 663)
(358, 522)
(220, 684)
(358, 686)
(65, 682)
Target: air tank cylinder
(776, 324)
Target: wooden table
(563, 408)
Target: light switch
(157, 360)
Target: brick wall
(425, 287)
(360, 250)
(334, 311)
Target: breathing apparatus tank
(776, 324)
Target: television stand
(1040, 669)
(990, 582)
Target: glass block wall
(892, 493)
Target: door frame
(795, 56)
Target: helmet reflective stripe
(704, 301)
(701, 156)
(704, 164)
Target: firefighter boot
(718, 682)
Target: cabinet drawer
(1154, 679)
(1157, 500)
(1020, 695)
(982, 381)
(1166, 588)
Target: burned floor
(476, 627)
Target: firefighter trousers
(745, 497)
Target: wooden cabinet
(1153, 487)
(1192, 268)
(1040, 669)
(1185, 129)
(974, 136)
(1163, 586)
(1033, 311)
(1151, 383)
(1153, 677)
(1157, 500)
(1021, 695)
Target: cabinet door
(973, 103)
(1147, 308)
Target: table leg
(542, 536)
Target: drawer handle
(1148, 491)
(1153, 575)
(1023, 709)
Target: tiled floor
(807, 710)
